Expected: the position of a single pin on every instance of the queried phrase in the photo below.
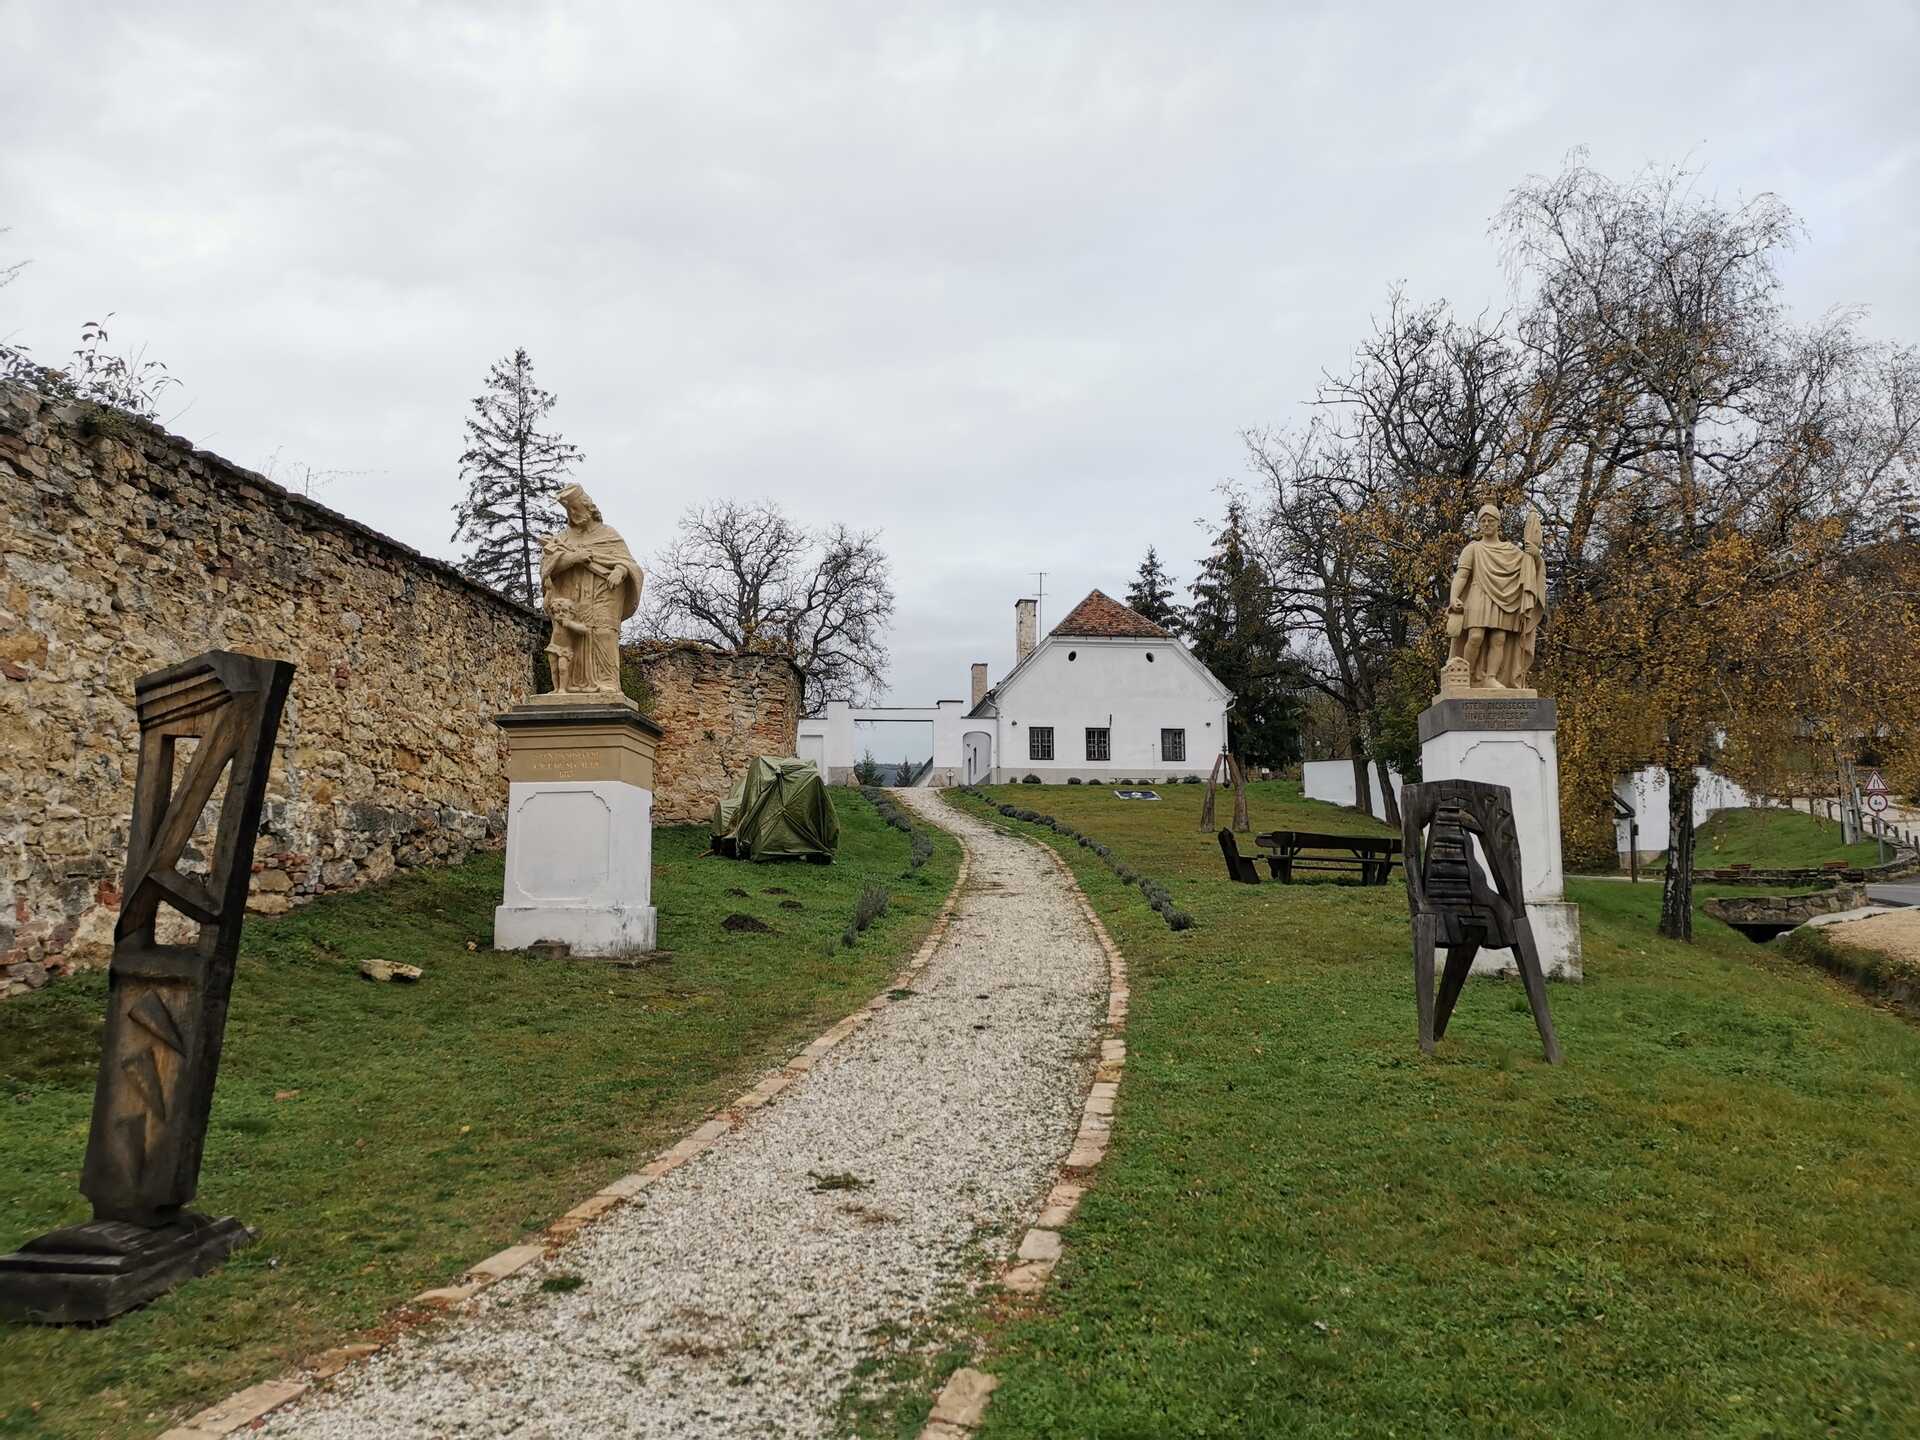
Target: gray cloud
(1003, 283)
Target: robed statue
(589, 582)
(1494, 609)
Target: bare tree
(743, 576)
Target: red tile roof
(1101, 616)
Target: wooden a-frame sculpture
(1452, 903)
(1238, 776)
(166, 1004)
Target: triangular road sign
(1875, 784)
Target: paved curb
(245, 1408)
(962, 1402)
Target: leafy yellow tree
(1727, 501)
(1717, 469)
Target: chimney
(1026, 619)
(979, 683)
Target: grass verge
(384, 1137)
(1704, 1223)
(1893, 979)
(1773, 840)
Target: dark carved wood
(1237, 775)
(1454, 905)
(1239, 867)
(166, 1004)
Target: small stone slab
(241, 1409)
(329, 1363)
(1040, 1245)
(963, 1400)
(593, 1207)
(1028, 1279)
(385, 970)
(508, 1262)
(627, 1186)
(445, 1297)
(1087, 1152)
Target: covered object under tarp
(778, 810)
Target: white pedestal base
(1511, 742)
(611, 931)
(579, 867)
(1556, 933)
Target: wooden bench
(1239, 867)
(1370, 857)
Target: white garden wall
(1332, 781)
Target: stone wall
(123, 549)
(718, 710)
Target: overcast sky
(1005, 284)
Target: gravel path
(737, 1294)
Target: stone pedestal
(1509, 740)
(579, 826)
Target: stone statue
(1498, 599)
(589, 583)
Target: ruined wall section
(123, 549)
(718, 710)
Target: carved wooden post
(1452, 903)
(166, 1004)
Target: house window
(1099, 744)
(1040, 742)
(1173, 745)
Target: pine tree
(514, 470)
(1151, 595)
(1232, 631)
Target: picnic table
(1371, 857)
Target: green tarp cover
(778, 810)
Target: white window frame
(1034, 732)
(1165, 758)
(1105, 733)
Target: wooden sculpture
(1454, 905)
(166, 1004)
(1238, 777)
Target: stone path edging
(962, 1402)
(245, 1407)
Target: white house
(1106, 695)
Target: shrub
(871, 905)
(1191, 780)
(1031, 780)
(1073, 780)
(1178, 920)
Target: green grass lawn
(1706, 1222)
(384, 1137)
(1774, 838)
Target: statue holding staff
(1494, 609)
(589, 583)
